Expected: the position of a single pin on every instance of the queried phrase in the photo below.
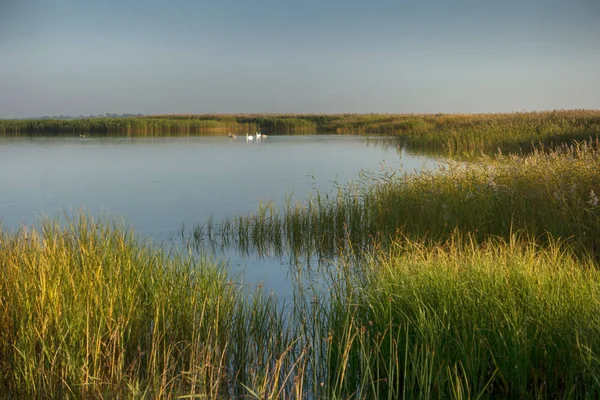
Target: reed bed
(130, 126)
(450, 133)
(457, 320)
(86, 310)
(473, 133)
(544, 193)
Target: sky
(81, 57)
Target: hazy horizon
(231, 56)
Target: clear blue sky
(182, 56)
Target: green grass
(508, 320)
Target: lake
(159, 184)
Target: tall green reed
(508, 320)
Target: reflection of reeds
(452, 133)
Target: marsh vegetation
(478, 280)
(545, 194)
(450, 133)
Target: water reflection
(159, 184)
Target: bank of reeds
(130, 126)
(459, 133)
(451, 133)
(508, 320)
(544, 193)
(159, 126)
(86, 310)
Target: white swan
(258, 135)
(249, 138)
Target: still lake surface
(158, 184)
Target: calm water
(158, 184)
